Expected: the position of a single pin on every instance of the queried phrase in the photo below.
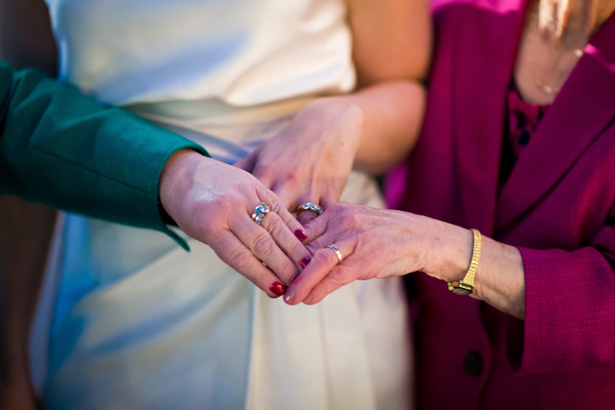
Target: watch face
(461, 291)
(460, 288)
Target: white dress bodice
(238, 52)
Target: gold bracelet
(466, 285)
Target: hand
(376, 243)
(311, 158)
(213, 202)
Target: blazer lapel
(582, 110)
(485, 57)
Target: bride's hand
(311, 158)
(213, 202)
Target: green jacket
(66, 150)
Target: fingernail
(277, 289)
(304, 262)
(301, 235)
(288, 298)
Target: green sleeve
(64, 149)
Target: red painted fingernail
(278, 289)
(301, 235)
(304, 262)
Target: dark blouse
(522, 121)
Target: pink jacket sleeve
(570, 306)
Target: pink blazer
(557, 206)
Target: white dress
(141, 324)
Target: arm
(49, 134)
(565, 298)
(70, 152)
(392, 49)
(372, 128)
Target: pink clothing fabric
(557, 205)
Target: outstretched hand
(213, 202)
(374, 243)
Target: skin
(554, 31)
(371, 129)
(191, 183)
(24, 226)
(391, 52)
(443, 251)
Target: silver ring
(259, 212)
(340, 258)
(310, 207)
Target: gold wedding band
(310, 207)
(340, 258)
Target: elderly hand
(213, 202)
(311, 158)
(376, 243)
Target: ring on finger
(259, 212)
(340, 258)
(310, 207)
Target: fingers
(286, 195)
(235, 254)
(292, 224)
(287, 239)
(315, 231)
(325, 268)
(305, 217)
(262, 245)
(307, 211)
(340, 275)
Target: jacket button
(473, 363)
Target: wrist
(173, 179)
(453, 246)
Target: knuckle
(262, 244)
(236, 256)
(275, 226)
(338, 276)
(287, 271)
(322, 257)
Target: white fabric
(141, 324)
(241, 52)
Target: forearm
(393, 115)
(390, 116)
(500, 278)
(391, 50)
(64, 149)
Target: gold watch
(466, 285)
